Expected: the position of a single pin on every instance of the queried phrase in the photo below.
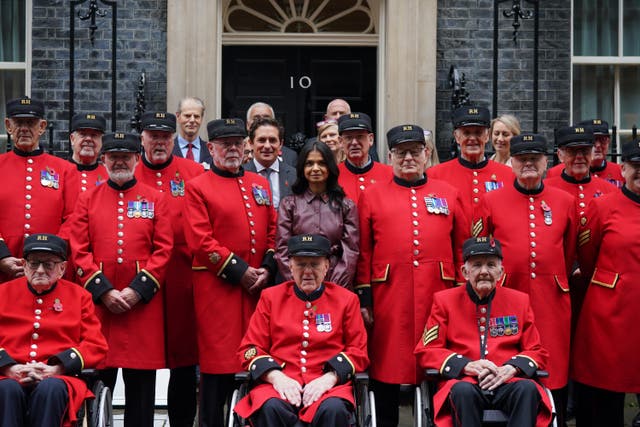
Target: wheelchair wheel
(422, 412)
(234, 419)
(99, 410)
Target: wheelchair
(423, 408)
(364, 398)
(96, 412)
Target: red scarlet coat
(406, 255)
(276, 340)
(606, 335)
(37, 195)
(583, 191)
(451, 339)
(67, 332)
(538, 258)
(114, 245)
(472, 180)
(90, 176)
(608, 171)
(229, 227)
(354, 181)
(180, 321)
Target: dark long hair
(334, 191)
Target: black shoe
(636, 420)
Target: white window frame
(26, 65)
(615, 61)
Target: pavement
(406, 415)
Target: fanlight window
(299, 16)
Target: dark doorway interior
(298, 82)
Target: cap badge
(527, 138)
(25, 102)
(230, 121)
(118, 135)
(42, 237)
(307, 238)
(472, 111)
(579, 130)
(160, 115)
(90, 116)
(405, 128)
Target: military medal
(131, 207)
(546, 212)
(49, 178)
(492, 185)
(437, 205)
(57, 305)
(177, 186)
(261, 195)
(323, 322)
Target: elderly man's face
(337, 108)
(600, 149)
(409, 160)
(86, 145)
(227, 152)
(577, 160)
(260, 111)
(356, 144)
(472, 140)
(483, 272)
(157, 145)
(529, 168)
(631, 174)
(190, 119)
(43, 269)
(121, 166)
(25, 132)
(309, 272)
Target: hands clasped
(291, 390)
(32, 373)
(489, 375)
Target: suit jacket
(205, 156)
(286, 176)
(289, 156)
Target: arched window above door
(300, 16)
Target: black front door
(298, 82)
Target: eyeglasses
(414, 152)
(48, 265)
(226, 145)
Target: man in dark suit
(266, 138)
(187, 143)
(260, 109)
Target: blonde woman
(328, 133)
(503, 128)
(432, 153)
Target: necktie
(189, 152)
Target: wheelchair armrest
(432, 374)
(242, 376)
(541, 374)
(361, 378)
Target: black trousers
(139, 393)
(561, 401)
(215, 392)
(597, 407)
(41, 406)
(519, 399)
(387, 403)
(333, 412)
(181, 396)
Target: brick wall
(465, 39)
(141, 45)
